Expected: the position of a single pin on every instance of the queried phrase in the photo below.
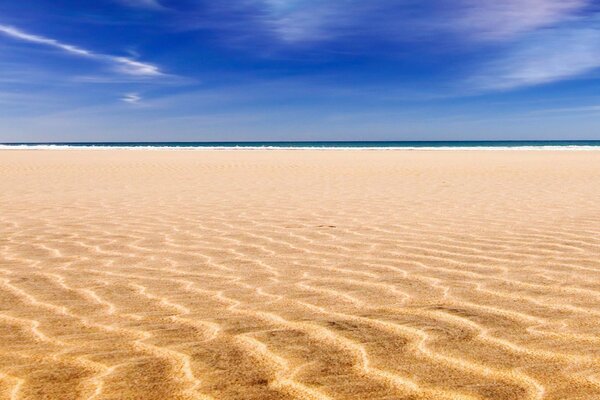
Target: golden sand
(299, 275)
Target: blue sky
(166, 70)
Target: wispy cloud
(527, 42)
(121, 64)
(499, 20)
(146, 4)
(27, 37)
(549, 56)
(543, 41)
(302, 20)
(131, 98)
(400, 20)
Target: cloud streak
(147, 4)
(131, 98)
(472, 20)
(502, 20)
(304, 20)
(530, 42)
(548, 56)
(121, 64)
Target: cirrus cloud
(549, 55)
(500, 20)
(121, 64)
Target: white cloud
(549, 56)
(498, 20)
(545, 41)
(473, 20)
(133, 67)
(131, 98)
(307, 20)
(124, 65)
(21, 35)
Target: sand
(132, 274)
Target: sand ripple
(299, 275)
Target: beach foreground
(299, 274)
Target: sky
(264, 70)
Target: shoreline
(297, 148)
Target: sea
(339, 145)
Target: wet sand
(132, 274)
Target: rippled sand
(299, 275)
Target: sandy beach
(133, 274)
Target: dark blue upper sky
(166, 70)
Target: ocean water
(426, 145)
